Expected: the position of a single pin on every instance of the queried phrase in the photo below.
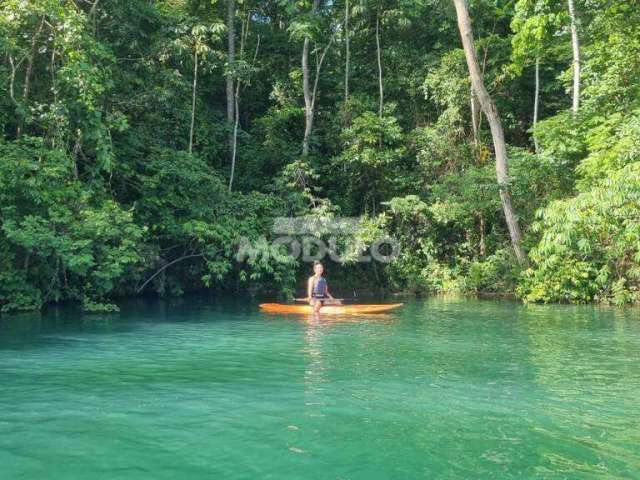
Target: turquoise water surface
(199, 389)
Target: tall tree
(379, 60)
(533, 24)
(536, 101)
(231, 60)
(243, 70)
(197, 41)
(575, 46)
(309, 92)
(308, 100)
(490, 110)
(347, 53)
(193, 98)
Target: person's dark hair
(317, 262)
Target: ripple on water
(443, 389)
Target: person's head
(318, 268)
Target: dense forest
(497, 140)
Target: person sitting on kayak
(317, 288)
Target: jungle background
(142, 140)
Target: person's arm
(309, 288)
(333, 300)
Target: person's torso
(319, 287)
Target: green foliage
(613, 143)
(427, 264)
(535, 23)
(16, 292)
(74, 243)
(99, 197)
(498, 273)
(590, 245)
(562, 138)
(372, 153)
(613, 52)
(409, 221)
(448, 85)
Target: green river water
(199, 389)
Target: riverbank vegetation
(142, 141)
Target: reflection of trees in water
(587, 385)
(315, 369)
(353, 347)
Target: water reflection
(315, 369)
(444, 388)
(585, 361)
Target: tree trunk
(379, 55)
(482, 241)
(575, 44)
(536, 103)
(306, 90)
(93, 8)
(244, 32)
(12, 81)
(234, 140)
(474, 116)
(231, 60)
(347, 51)
(51, 133)
(30, 60)
(308, 108)
(193, 99)
(491, 112)
(27, 75)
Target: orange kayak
(330, 309)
